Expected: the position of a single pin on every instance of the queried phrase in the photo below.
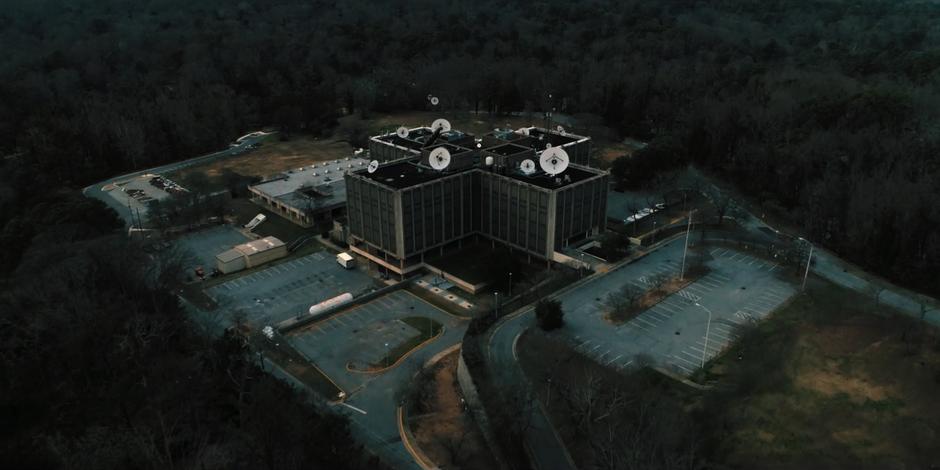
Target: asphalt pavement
(95, 190)
(373, 398)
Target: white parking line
(693, 356)
(656, 315)
(711, 284)
(614, 359)
(711, 344)
(701, 288)
(637, 325)
(671, 302)
(716, 334)
(648, 322)
(686, 369)
(685, 360)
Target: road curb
(406, 439)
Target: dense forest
(825, 110)
(103, 369)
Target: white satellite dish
(434, 100)
(522, 130)
(439, 158)
(527, 166)
(554, 160)
(548, 145)
(560, 129)
(441, 123)
(373, 165)
(430, 96)
(402, 132)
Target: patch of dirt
(610, 152)
(275, 157)
(446, 433)
(830, 383)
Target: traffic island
(402, 337)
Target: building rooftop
(402, 174)
(257, 246)
(412, 171)
(318, 174)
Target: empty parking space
(287, 289)
(676, 333)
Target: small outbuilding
(251, 254)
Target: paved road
(738, 289)
(548, 451)
(284, 290)
(829, 266)
(333, 343)
(94, 190)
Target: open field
(442, 426)
(831, 380)
(273, 157)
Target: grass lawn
(831, 380)
(427, 327)
(273, 157)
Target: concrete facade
(406, 209)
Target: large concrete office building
(406, 208)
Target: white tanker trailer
(328, 304)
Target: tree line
(825, 112)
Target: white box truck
(345, 260)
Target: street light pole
(707, 328)
(386, 355)
(809, 260)
(510, 284)
(496, 309)
(688, 229)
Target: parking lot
(359, 335)
(286, 289)
(738, 289)
(202, 246)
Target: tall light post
(581, 267)
(496, 309)
(386, 355)
(688, 229)
(809, 260)
(707, 328)
(510, 284)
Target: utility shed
(251, 254)
(229, 261)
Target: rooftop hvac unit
(489, 161)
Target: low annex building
(309, 194)
(406, 207)
(249, 255)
